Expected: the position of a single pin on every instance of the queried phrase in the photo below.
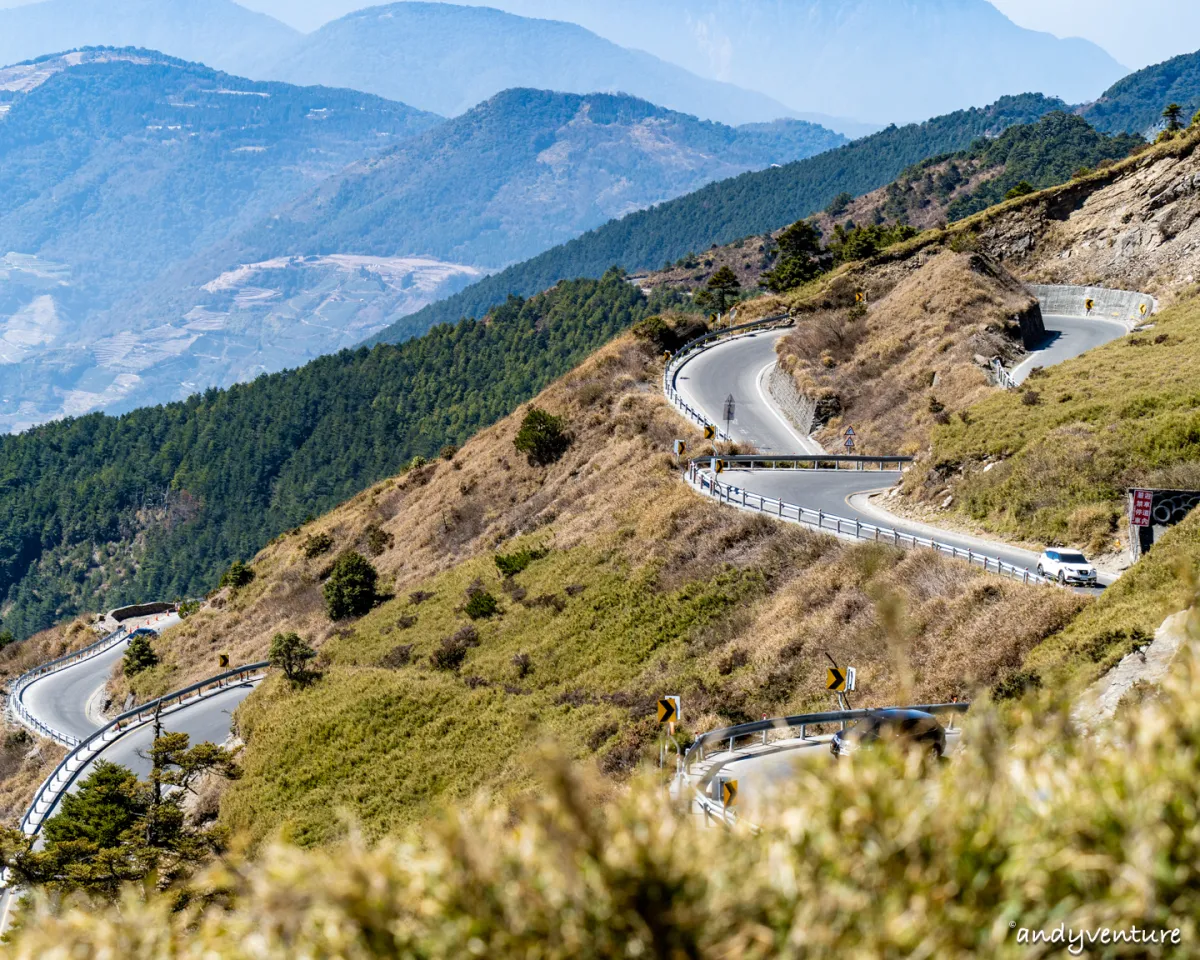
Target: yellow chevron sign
(729, 793)
(710, 432)
(223, 660)
(835, 680)
(668, 710)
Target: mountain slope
(219, 33)
(524, 171)
(118, 164)
(1135, 104)
(100, 510)
(447, 58)
(882, 60)
(752, 203)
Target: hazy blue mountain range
(880, 60)
(219, 33)
(524, 171)
(447, 58)
(131, 175)
(117, 165)
(1135, 103)
(723, 212)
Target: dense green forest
(102, 510)
(1031, 156)
(1042, 154)
(1135, 103)
(752, 203)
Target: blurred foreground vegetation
(1031, 826)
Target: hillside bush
(350, 589)
(317, 544)
(481, 605)
(1035, 831)
(511, 564)
(291, 654)
(139, 655)
(238, 575)
(543, 438)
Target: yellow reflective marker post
(729, 793)
(680, 448)
(1142, 309)
(835, 680)
(710, 432)
(860, 297)
(668, 709)
(1089, 303)
(223, 660)
(718, 466)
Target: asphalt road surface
(1068, 337)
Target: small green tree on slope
(799, 257)
(139, 655)
(350, 589)
(291, 654)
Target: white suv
(1066, 566)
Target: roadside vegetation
(1052, 462)
(1034, 830)
(554, 601)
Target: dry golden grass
(647, 586)
(907, 362)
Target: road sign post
(729, 793)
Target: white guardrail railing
(16, 706)
(712, 806)
(84, 752)
(845, 527)
(690, 349)
(795, 513)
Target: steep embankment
(643, 587)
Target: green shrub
(1022, 189)
(350, 589)
(238, 575)
(543, 438)
(481, 605)
(291, 654)
(511, 564)
(377, 539)
(6, 639)
(317, 544)
(139, 655)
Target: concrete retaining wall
(1123, 305)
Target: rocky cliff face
(1135, 227)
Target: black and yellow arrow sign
(835, 680)
(860, 297)
(719, 466)
(1142, 309)
(729, 793)
(1089, 303)
(668, 710)
(710, 432)
(222, 660)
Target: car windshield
(1072, 558)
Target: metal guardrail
(845, 527)
(1003, 377)
(692, 347)
(716, 810)
(771, 461)
(60, 780)
(16, 706)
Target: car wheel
(1041, 571)
(1062, 579)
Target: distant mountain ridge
(117, 164)
(876, 60)
(447, 58)
(521, 172)
(753, 203)
(218, 33)
(1135, 103)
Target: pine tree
(139, 655)
(724, 287)
(350, 589)
(1171, 114)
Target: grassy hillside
(753, 203)
(1063, 450)
(644, 586)
(1036, 830)
(1135, 103)
(101, 510)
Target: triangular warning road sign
(850, 432)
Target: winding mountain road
(738, 367)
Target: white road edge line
(807, 444)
